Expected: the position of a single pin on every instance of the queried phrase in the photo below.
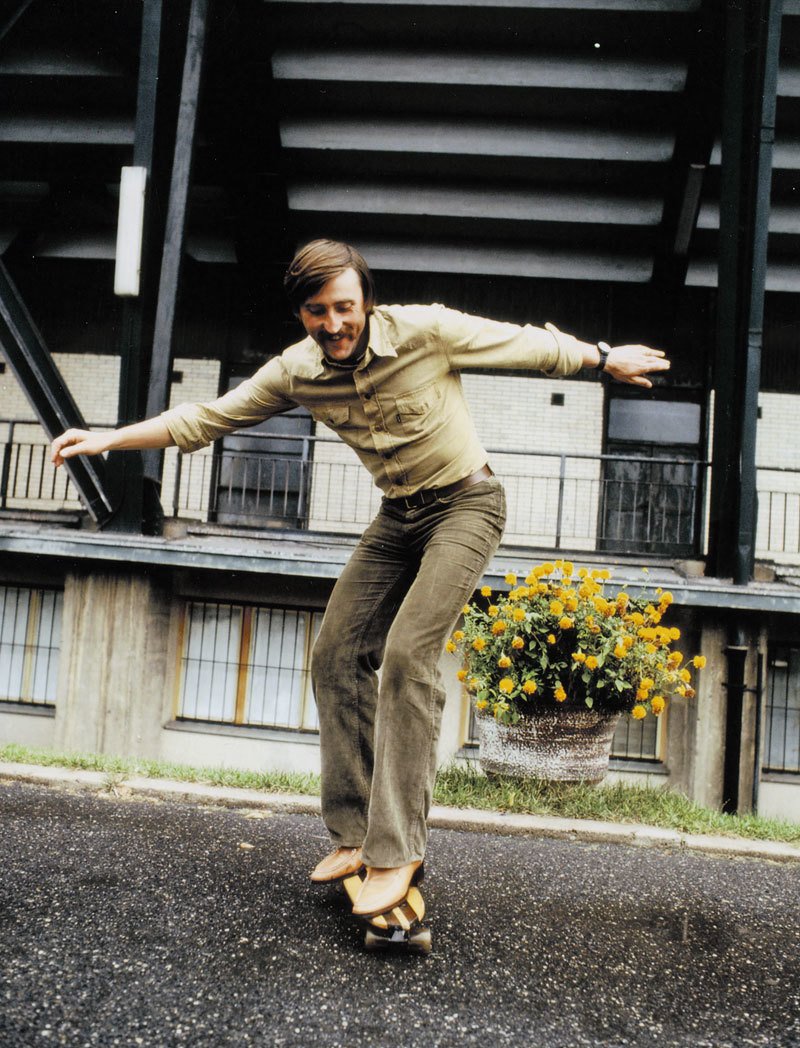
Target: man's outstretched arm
(152, 433)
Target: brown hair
(320, 261)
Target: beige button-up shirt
(402, 409)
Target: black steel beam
(47, 393)
(750, 87)
(174, 237)
(694, 142)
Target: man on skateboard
(387, 380)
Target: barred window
(30, 640)
(243, 664)
(782, 722)
(638, 740)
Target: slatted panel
(482, 139)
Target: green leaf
(589, 701)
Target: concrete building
(601, 165)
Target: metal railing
(615, 503)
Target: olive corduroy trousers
(392, 609)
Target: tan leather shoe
(384, 887)
(340, 863)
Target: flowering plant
(559, 635)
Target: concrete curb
(468, 819)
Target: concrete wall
(117, 687)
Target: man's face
(336, 318)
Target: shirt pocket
(413, 410)
(335, 416)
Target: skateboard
(398, 928)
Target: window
(782, 724)
(30, 639)
(241, 664)
(637, 740)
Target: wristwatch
(603, 349)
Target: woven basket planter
(571, 744)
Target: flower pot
(571, 744)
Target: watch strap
(603, 349)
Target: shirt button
(379, 427)
(387, 454)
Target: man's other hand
(77, 442)
(632, 363)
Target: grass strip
(461, 787)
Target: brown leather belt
(428, 495)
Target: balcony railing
(615, 503)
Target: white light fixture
(130, 225)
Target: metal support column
(158, 391)
(48, 394)
(750, 89)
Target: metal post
(560, 514)
(750, 89)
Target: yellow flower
(565, 623)
(466, 609)
(529, 687)
(518, 643)
(511, 578)
(462, 675)
(551, 638)
(657, 704)
(547, 568)
(559, 694)
(518, 614)
(620, 651)
(674, 658)
(481, 704)
(506, 685)
(685, 675)
(556, 607)
(450, 646)
(666, 599)
(689, 692)
(647, 683)
(585, 591)
(628, 641)
(492, 610)
(637, 618)
(504, 662)
(486, 591)
(592, 663)
(638, 712)
(582, 573)
(472, 684)
(651, 649)
(567, 568)
(699, 661)
(498, 627)
(578, 656)
(571, 604)
(604, 573)
(458, 635)
(479, 644)
(642, 694)
(675, 633)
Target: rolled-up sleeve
(474, 342)
(194, 426)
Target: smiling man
(387, 380)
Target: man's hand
(632, 363)
(78, 442)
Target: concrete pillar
(113, 667)
(705, 721)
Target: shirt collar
(378, 345)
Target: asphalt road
(145, 923)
